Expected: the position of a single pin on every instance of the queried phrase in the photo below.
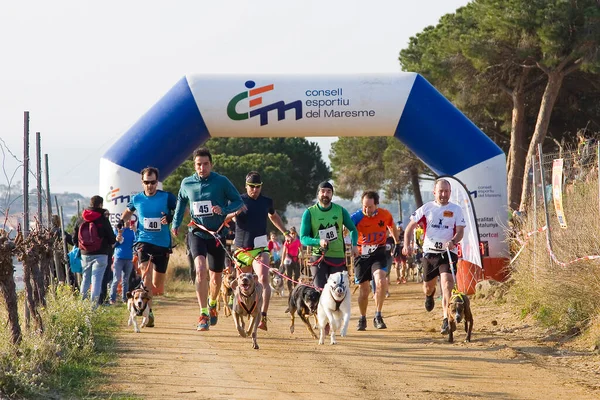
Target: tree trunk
(9, 293)
(416, 188)
(516, 152)
(555, 79)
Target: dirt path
(410, 359)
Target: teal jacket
(215, 188)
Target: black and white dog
(334, 306)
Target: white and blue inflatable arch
(403, 105)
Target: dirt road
(506, 360)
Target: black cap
(254, 177)
(326, 184)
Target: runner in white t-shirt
(444, 226)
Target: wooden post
(64, 241)
(543, 181)
(48, 196)
(26, 195)
(38, 154)
(26, 174)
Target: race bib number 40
(152, 224)
(202, 208)
(328, 234)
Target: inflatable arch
(403, 105)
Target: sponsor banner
(469, 245)
(301, 105)
(117, 186)
(557, 172)
(486, 183)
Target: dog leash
(217, 237)
(452, 265)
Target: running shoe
(429, 302)
(214, 314)
(362, 324)
(378, 323)
(203, 323)
(150, 323)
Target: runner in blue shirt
(251, 239)
(153, 242)
(211, 197)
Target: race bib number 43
(328, 234)
(152, 224)
(202, 208)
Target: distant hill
(12, 201)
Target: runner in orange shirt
(372, 224)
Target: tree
(377, 163)
(491, 57)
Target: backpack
(89, 238)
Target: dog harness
(139, 311)
(251, 310)
(337, 303)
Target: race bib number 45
(328, 234)
(152, 224)
(202, 208)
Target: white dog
(334, 306)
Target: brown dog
(137, 305)
(226, 291)
(247, 302)
(459, 309)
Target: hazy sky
(86, 71)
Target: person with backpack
(95, 238)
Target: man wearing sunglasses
(153, 243)
(211, 197)
(251, 240)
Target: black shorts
(364, 267)
(435, 264)
(326, 267)
(157, 255)
(209, 248)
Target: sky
(87, 71)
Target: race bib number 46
(202, 208)
(152, 224)
(328, 234)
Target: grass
(178, 278)
(564, 298)
(68, 359)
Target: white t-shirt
(440, 224)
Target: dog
(459, 309)
(226, 291)
(276, 283)
(247, 302)
(334, 306)
(303, 300)
(137, 305)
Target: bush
(75, 344)
(562, 297)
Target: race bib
(202, 208)
(367, 249)
(329, 234)
(152, 224)
(261, 241)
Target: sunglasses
(254, 185)
(149, 182)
